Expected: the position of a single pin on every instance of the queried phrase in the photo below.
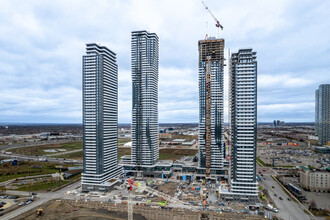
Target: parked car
(289, 199)
(28, 202)
(275, 194)
(273, 187)
(280, 198)
(21, 203)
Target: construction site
(69, 209)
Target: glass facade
(144, 66)
(243, 109)
(100, 98)
(211, 58)
(322, 113)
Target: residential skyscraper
(210, 66)
(243, 107)
(100, 107)
(322, 113)
(144, 58)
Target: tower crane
(218, 25)
(130, 184)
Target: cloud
(42, 42)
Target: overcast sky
(42, 43)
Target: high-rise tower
(100, 86)
(211, 63)
(322, 113)
(144, 55)
(243, 107)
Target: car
(15, 200)
(21, 203)
(28, 202)
(273, 187)
(34, 194)
(1, 210)
(275, 194)
(280, 198)
(289, 199)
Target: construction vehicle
(218, 25)
(39, 212)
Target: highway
(287, 209)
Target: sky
(42, 44)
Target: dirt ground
(64, 211)
(168, 188)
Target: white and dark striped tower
(243, 109)
(100, 107)
(144, 66)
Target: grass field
(47, 185)
(39, 150)
(164, 154)
(174, 154)
(74, 156)
(26, 168)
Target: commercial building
(322, 113)
(315, 180)
(211, 122)
(100, 100)
(144, 66)
(243, 109)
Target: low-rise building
(315, 180)
(165, 136)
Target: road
(65, 152)
(44, 197)
(40, 158)
(287, 209)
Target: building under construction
(211, 95)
